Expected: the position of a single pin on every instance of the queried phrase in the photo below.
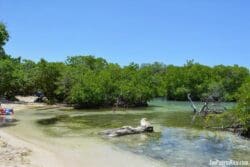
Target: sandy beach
(17, 152)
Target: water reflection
(176, 142)
(7, 120)
(185, 147)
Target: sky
(210, 32)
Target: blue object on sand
(7, 111)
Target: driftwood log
(145, 127)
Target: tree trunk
(192, 104)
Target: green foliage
(224, 120)
(238, 116)
(89, 82)
(87, 91)
(24, 74)
(231, 78)
(243, 111)
(220, 82)
(94, 82)
(46, 78)
(7, 79)
(4, 37)
(84, 81)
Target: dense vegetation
(91, 81)
(243, 111)
(238, 119)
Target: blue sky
(123, 31)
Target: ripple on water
(176, 142)
(180, 146)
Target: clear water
(175, 142)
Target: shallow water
(175, 142)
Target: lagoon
(176, 140)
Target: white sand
(37, 157)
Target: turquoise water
(176, 140)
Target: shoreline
(25, 154)
(18, 152)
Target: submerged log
(145, 127)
